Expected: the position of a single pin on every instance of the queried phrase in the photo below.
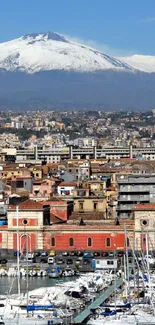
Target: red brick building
(88, 237)
(42, 226)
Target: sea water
(8, 285)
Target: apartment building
(134, 189)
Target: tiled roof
(30, 205)
(87, 216)
(21, 178)
(22, 192)
(86, 227)
(67, 184)
(54, 219)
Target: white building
(66, 188)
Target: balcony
(134, 189)
(125, 207)
(137, 180)
(134, 198)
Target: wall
(88, 204)
(39, 239)
(46, 187)
(81, 241)
(34, 217)
(26, 240)
(99, 187)
(141, 230)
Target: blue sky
(118, 27)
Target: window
(37, 174)
(52, 241)
(81, 193)
(110, 262)
(89, 243)
(71, 242)
(81, 206)
(95, 206)
(108, 242)
(144, 222)
(19, 184)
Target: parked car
(86, 262)
(96, 254)
(60, 261)
(111, 254)
(50, 260)
(73, 253)
(52, 253)
(30, 257)
(88, 255)
(44, 253)
(15, 253)
(3, 260)
(120, 253)
(37, 254)
(69, 261)
(65, 254)
(79, 253)
(44, 257)
(105, 254)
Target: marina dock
(82, 317)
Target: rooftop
(67, 184)
(28, 205)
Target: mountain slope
(107, 89)
(51, 51)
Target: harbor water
(9, 284)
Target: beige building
(86, 201)
(144, 215)
(31, 218)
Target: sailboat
(15, 315)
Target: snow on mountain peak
(45, 36)
(51, 51)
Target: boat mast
(125, 277)
(127, 257)
(27, 275)
(18, 253)
(147, 257)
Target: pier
(82, 317)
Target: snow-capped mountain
(144, 63)
(51, 51)
(49, 70)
